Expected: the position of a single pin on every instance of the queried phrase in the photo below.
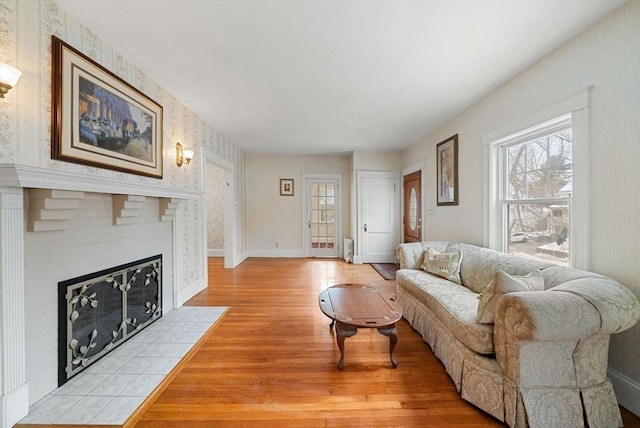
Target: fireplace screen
(99, 311)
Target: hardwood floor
(271, 361)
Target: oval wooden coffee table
(354, 306)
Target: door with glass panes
(321, 239)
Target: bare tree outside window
(537, 192)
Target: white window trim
(578, 106)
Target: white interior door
(379, 213)
(322, 212)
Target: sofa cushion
(503, 284)
(445, 264)
(480, 265)
(411, 255)
(456, 306)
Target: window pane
(540, 168)
(539, 231)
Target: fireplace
(99, 311)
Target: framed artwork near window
(447, 171)
(99, 119)
(286, 187)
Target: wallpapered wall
(607, 57)
(25, 116)
(215, 206)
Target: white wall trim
(14, 389)
(420, 166)
(14, 406)
(578, 106)
(14, 175)
(229, 206)
(215, 252)
(627, 391)
(413, 168)
(237, 259)
(339, 214)
(277, 253)
(570, 103)
(188, 292)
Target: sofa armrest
(410, 255)
(535, 331)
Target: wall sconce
(183, 155)
(9, 77)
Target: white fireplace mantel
(14, 178)
(15, 175)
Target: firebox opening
(99, 311)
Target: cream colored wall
(272, 218)
(606, 56)
(377, 161)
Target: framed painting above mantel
(99, 119)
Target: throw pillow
(501, 285)
(445, 265)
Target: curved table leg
(392, 332)
(343, 331)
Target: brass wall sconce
(183, 155)
(9, 77)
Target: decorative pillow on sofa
(446, 265)
(501, 285)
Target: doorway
(412, 207)
(218, 210)
(321, 230)
(378, 208)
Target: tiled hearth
(110, 391)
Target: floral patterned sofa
(543, 361)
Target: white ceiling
(302, 76)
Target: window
(536, 188)
(537, 185)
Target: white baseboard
(627, 391)
(215, 253)
(237, 260)
(278, 253)
(14, 406)
(187, 293)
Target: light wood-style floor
(271, 361)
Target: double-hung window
(535, 191)
(534, 171)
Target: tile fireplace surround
(108, 392)
(17, 217)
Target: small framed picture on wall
(286, 187)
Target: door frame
(360, 175)
(406, 171)
(228, 218)
(338, 213)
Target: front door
(412, 214)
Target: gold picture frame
(100, 120)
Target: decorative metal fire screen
(99, 311)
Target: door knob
(365, 227)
